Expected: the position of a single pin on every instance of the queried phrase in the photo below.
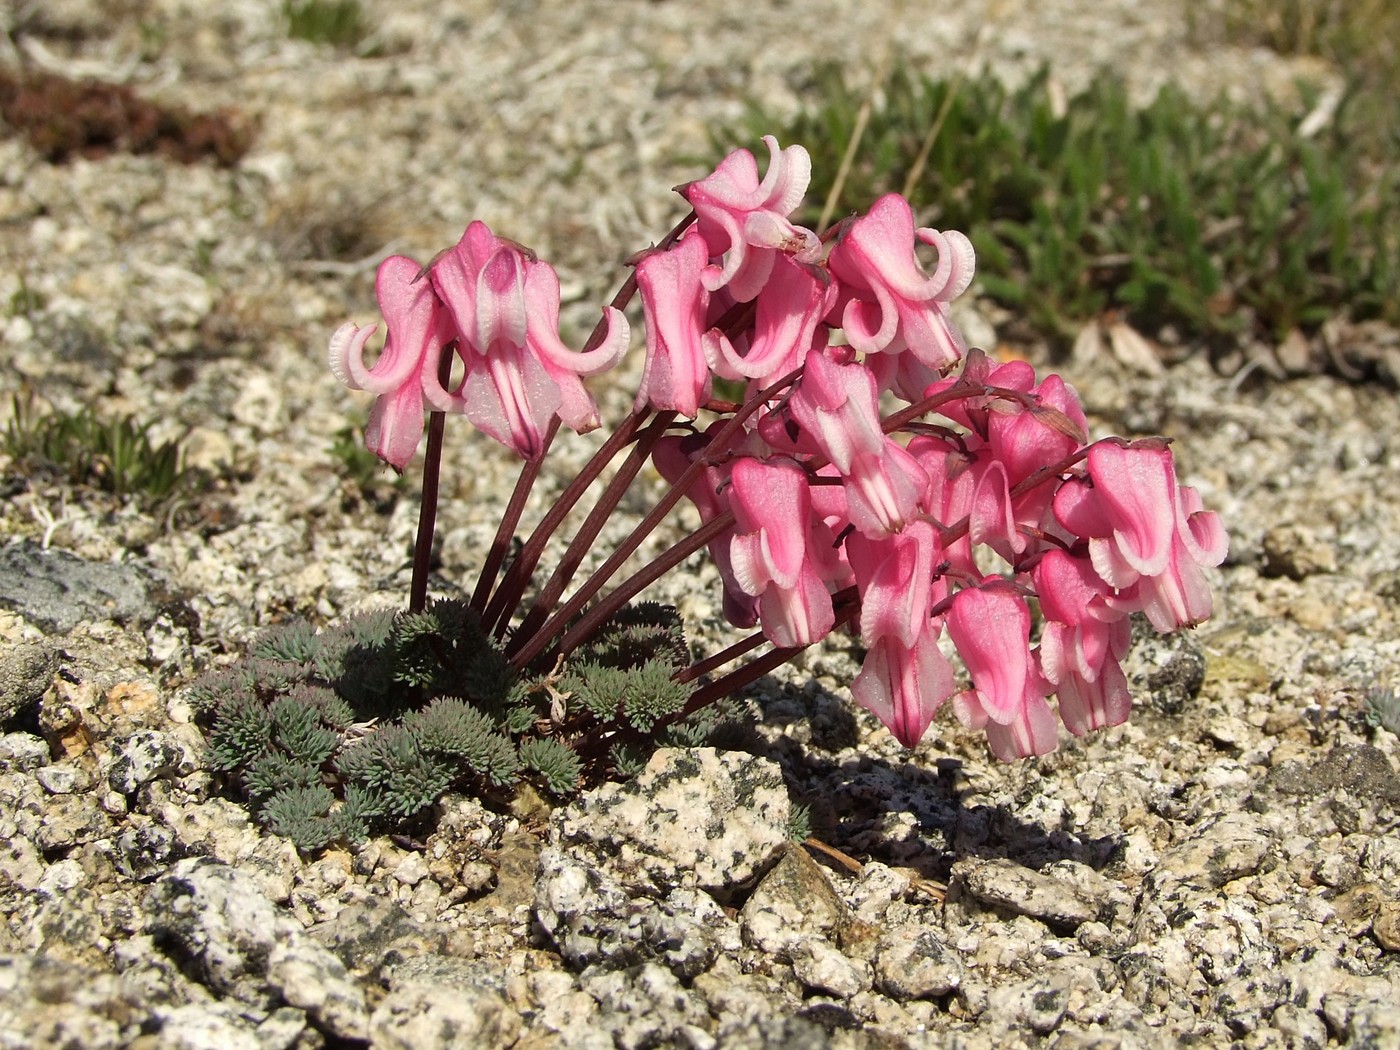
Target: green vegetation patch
(339, 23)
(114, 455)
(1219, 220)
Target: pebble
(793, 902)
(1066, 899)
(916, 964)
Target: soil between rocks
(1221, 870)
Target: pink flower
(836, 408)
(895, 577)
(747, 220)
(787, 324)
(1128, 511)
(676, 376)
(1148, 538)
(505, 305)
(905, 677)
(990, 625)
(780, 553)
(406, 373)
(672, 456)
(893, 305)
(1082, 642)
(903, 686)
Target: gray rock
(713, 819)
(143, 756)
(592, 920)
(20, 863)
(374, 936)
(225, 830)
(1039, 1003)
(209, 1026)
(821, 967)
(1359, 769)
(913, 963)
(1246, 1000)
(1164, 672)
(1217, 853)
(216, 922)
(57, 591)
(48, 1002)
(877, 887)
(71, 820)
(144, 849)
(22, 752)
(428, 1015)
(1065, 896)
(645, 1006)
(1300, 1028)
(311, 978)
(26, 669)
(62, 877)
(793, 901)
(1374, 1024)
(1296, 551)
(63, 779)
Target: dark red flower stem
(427, 510)
(845, 603)
(506, 600)
(496, 556)
(587, 532)
(742, 647)
(532, 647)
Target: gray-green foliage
(1383, 708)
(334, 734)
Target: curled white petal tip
(347, 339)
(957, 262)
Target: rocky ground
(1222, 870)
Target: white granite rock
(699, 817)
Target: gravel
(1223, 868)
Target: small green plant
(1219, 220)
(1383, 708)
(800, 823)
(339, 23)
(116, 455)
(25, 300)
(363, 469)
(333, 734)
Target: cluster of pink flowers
(943, 519)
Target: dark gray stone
(26, 669)
(57, 591)
(1164, 671)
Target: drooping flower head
(746, 221)
(891, 305)
(675, 376)
(837, 414)
(990, 624)
(780, 552)
(1082, 642)
(406, 374)
(505, 304)
(1148, 537)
